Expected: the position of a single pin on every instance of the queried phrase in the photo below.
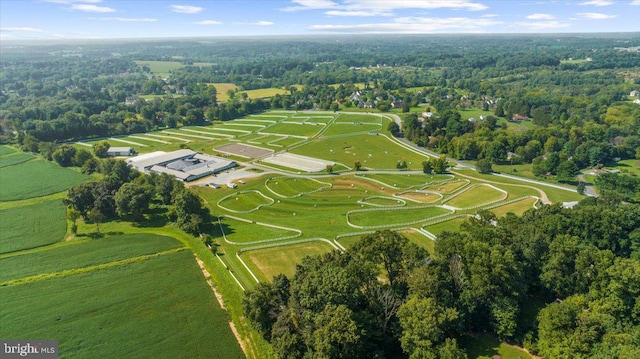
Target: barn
(185, 165)
(120, 151)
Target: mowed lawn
(36, 178)
(243, 232)
(270, 262)
(293, 129)
(160, 307)
(371, 151)
(392, 217)
(407, 181)
(248, 201)
(291, 187)
(31, 226)
(476, 196)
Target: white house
(120, 151)
(634, 93)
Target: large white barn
(185, 165)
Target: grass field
(371, 151)
(32, 226)
(517, 208)
(476, 196)
(242, 232)
(293, 187)
(159, 307)
(337, 129)
(420, 240)
(394, 216)
(407, 181)
(222, 89)
(265, 93)
(270, 262)
(36, 178)
(452, 225)
(485, 347)
(293, 129)
(246, 201)
(628, 166)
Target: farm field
(14, 159)
(146, 301)
(32, 226)
(33, 174)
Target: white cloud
(380, 7)
(20, 29)
(358, 13)
(597, 3)
(540, 17)
(596, 16)
(73, 1)
(540, 25)
(127, 19)
(186, 9)
(92, 8)
(261, 23)
(208, 22)
(415, 25)
(635, 3)
(490, 15)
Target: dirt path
(207, 275)
(543, 196)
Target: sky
(99, 19)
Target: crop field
(31, 226)
(14, 159)
(4, 150)
(159, 306)
(264, 93)
(25, 180)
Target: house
(427, 114)
(120, 151)
(519, 118)
(131, 100)
(637, 101)
(634, 93)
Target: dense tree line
(564, 283)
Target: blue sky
(58, 19)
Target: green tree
(425, 326)
(132, 199)
(100, 149)
(484, 166)
(567, 171)
(336, 335)
(64, 155)
(427, 167)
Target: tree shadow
(99, 235)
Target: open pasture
(245, 201)
(264, 93)
(241, 232)
(452, 225)
(420, 196)
(25, 180)
(269, 262)
(360, 118)
(518, 207)
(14, 159)
(380, 201)
(477, 195)
(393, 217)
(31, 226)
(124, 311)
(293, 129)
(407, 181)
(291, 187)
(375, 152)
(338, 129)
(83, 254)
